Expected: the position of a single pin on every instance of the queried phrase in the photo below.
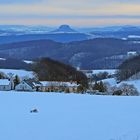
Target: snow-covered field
(20, 73)
(109, 71)
(68, 117)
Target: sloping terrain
(20, 73)
(71, 117)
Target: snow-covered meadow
(21, 73)
(68, 117)
(109, 71)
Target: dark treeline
(51, 70)
(128, 68)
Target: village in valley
(28, 83)
(38, 86)
(100, 82)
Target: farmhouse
(49, 86)
(6, 84)
(28, 85)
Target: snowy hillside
(68, 117)
(136, 83)
(20, 73)
(109, 71)
(112, 82)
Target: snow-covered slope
(112, 82)
(109, 71)
(136, 83)
(20, 73)
(68, 117)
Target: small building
(50, 86)
(28, 85)
(6, 85)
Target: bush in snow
(117, 92)
(128, 90)
(125, 90)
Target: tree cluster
(52, 70)
(99, 86)
(16, 80)
(128, 68)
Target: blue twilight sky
(73, 12)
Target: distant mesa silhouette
(64, 29)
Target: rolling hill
(88, 54)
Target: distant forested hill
(87, 54)
(63, 37)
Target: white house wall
(5, 87)
(23, 86)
